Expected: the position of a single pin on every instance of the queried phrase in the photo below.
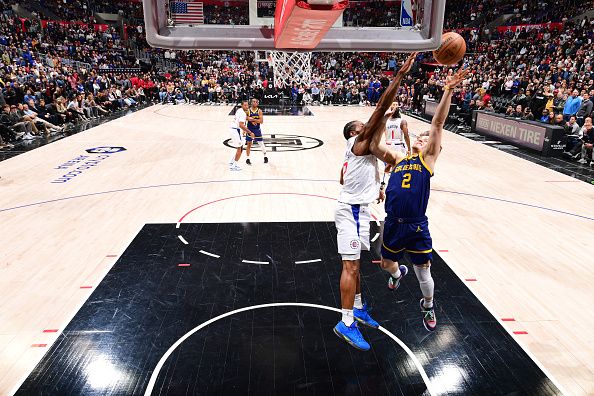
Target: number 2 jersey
(407, 194)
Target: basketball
(451, 50)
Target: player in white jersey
(397, 136)
(360, 186)
(238, 129)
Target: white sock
(426, 283)
(397, 273)
(263, 148)
(358, 301)
(347, 317)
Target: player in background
(360, 186)
(397, 136)
(237, 131)
(255, 118)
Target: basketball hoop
(290, 67)
(419, 29)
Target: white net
(290, 67)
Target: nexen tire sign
(82, 163)
(521, 133)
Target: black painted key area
(278, 283)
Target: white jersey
(360, 176)
(394, 134)
(240, 116)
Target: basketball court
(135, 262)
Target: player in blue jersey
(255, 118)
(360, 184)
(406, 229)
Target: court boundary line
(545, 371)
(155, 374)
(161, 106)
(75, 311)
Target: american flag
(186, 12)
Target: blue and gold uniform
(254, 127)
(406, 228)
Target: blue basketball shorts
(258, 138)
(407, 236)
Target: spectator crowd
(540, 75)
(57, 75)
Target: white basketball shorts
(237, 138)
(352, 224)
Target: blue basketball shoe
(362, 316)
(394, 283)
(351, 335)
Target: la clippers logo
(355, 244)
(83, 163)
(276, 142)
(105, 150)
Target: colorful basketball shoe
(429, 319)
(394, 283)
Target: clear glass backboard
(376, 25)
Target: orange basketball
(451, 50)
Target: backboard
(367, 25)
